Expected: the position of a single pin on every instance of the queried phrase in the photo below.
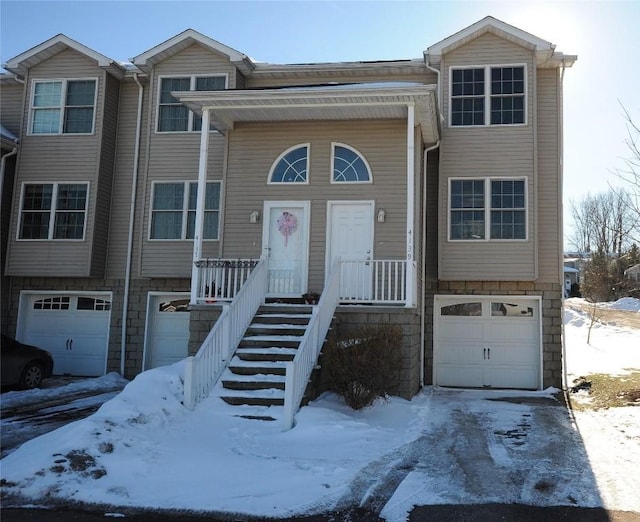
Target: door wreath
(287, 225)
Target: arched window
(292, 166)
(349, 166)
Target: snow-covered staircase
(255, 376)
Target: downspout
(410, 255)
(424, 219)
(438, 84)
(132, 214)
(565, 376)
(423, 268)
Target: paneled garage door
(167, 329)
(73, 327)
(487, 342)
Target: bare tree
(630, 172)
(604, 222)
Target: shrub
(365, 365)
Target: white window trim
(487, 95)
(62, 106)
(192, 85)
(52, 210)
(335, 144)
(277, 160)
(185, 209)
(487, 209)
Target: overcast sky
(604, 35)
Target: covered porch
(385, 279)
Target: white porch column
(411, 269)
(202, 188)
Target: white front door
(73, 327)
(167, 330)
(285, 239)
(350, 228)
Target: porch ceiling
(373, 101)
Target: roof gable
(20, 64)
(494, 26)
(544, 51)
(185, 39)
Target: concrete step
(252, 367)
(270, 341)
(256, 353)
(263, 329)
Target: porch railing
(379, 281)
(221, 279)
(204, 369)
(299, 370)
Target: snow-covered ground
(144, 449)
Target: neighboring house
(633, 273)
(435, 184)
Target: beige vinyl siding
(61, 158)
(174, 258)
(105, 176)
(487, 152)
(174, 156)
(11, 93)
(550, 182)
(123, 176)
(254, 147)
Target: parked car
(24, 365)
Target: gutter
(132, 213)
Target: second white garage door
(487, 342)
(167, 329)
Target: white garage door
(167, 330)
(73, 327)
(490, 342)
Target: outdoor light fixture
(381, 215)
(254, 217)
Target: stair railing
(299, 370)
(203, 370)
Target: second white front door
(350, 240)
(285, 237)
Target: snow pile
(625, 303)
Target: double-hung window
(487, 208)
(51, 211)
(173, 210)
(63, 106)
(491, 95)
(172, 115)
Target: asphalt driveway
(27, 414)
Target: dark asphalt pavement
(436, 513)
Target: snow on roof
(7, 135)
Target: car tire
(31, 376)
